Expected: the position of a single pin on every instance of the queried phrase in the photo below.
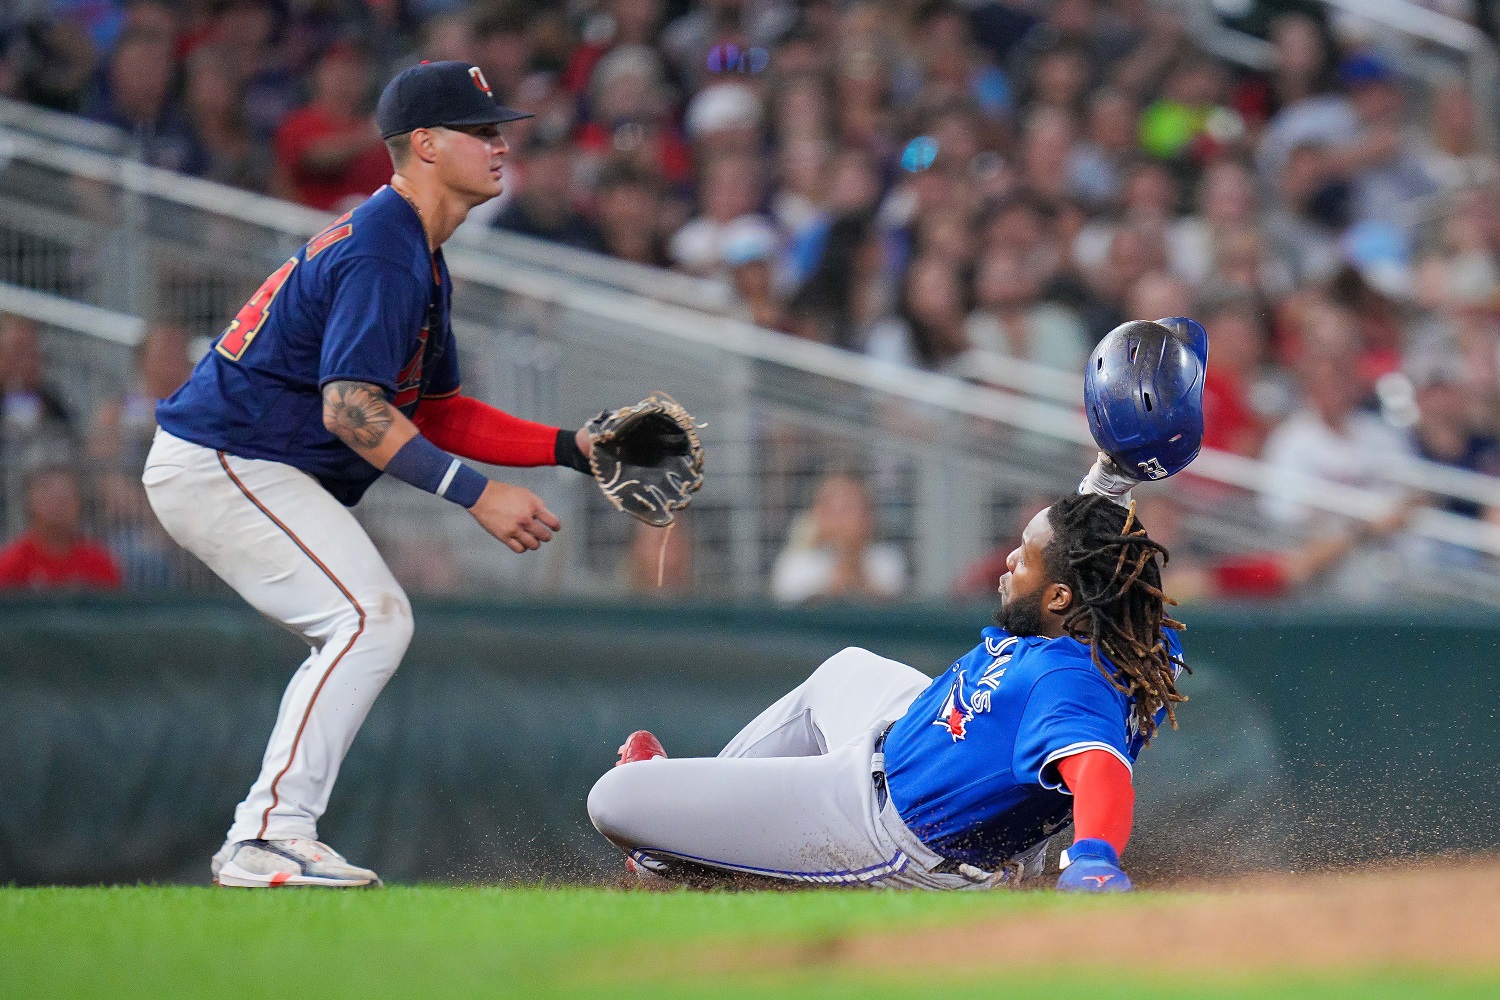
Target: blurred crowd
(928, 182)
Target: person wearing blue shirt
(872, 773)
(340, 368)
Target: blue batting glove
(1095, 868)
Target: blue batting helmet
(1143, 392)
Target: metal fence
(952, 466)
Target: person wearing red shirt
(1235, 337)
(328, 154)
(53, 554)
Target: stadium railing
(953, 465)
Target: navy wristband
(430, 468)
(468, 483)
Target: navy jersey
(363, 301)
(971, 766)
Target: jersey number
(252, 315)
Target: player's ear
(424, 145)
(1058, 598)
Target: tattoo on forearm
(357, 412)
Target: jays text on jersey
(971, 766)
(363, 301)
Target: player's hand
(1095, 868)
(585, 441)
(515, 515)
(1107, 479)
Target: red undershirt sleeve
(475, 430)
(1103, 797)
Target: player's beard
(1021, 616)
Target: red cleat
(639, 745)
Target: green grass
(564, 942)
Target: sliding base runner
(871, 773)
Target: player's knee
(388, 618)
(612, 807)
(849, 661)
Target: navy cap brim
(499, 116)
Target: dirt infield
(1430, 914)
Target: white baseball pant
(793, 796)
(299, 557)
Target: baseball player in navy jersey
(872, 773)
(341, 367)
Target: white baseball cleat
(268, 864)
(220, 856)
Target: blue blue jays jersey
(363, 301)
(971, 766)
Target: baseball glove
(647, 458)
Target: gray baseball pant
(793, 796)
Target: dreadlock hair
(1101, 551)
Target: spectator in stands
(118, 442)
(252, 37)
(123, 427)
(1236, 342)
(862, 120)
(1452, 154)
(53, 554)
(799, 205)
(329, 155)
(542, 202)
(1330, 436)
(629, 117)
(51, 63)
(831, 552)
(1046, 152)
(30, 404)
(1131, 253)
(928, 329)
(628, 212)
(749, 252)
(135, 94)
(1011, 322)
(842, 297)
(1381, 158)
(730, 191)
(1097, 163)
(1447, 430)
(621, 22)
(1059, 80)
(981, 577)
(1301, 71)
(1311, 206)
(215, 103)
(691, 39)
(502, 50)
(800, 110)
(952, 67)
(725, 119)
(1226, 202)
(1377, 322)
(1158, 295)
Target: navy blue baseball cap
(440, 93)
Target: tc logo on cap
(477, 75)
